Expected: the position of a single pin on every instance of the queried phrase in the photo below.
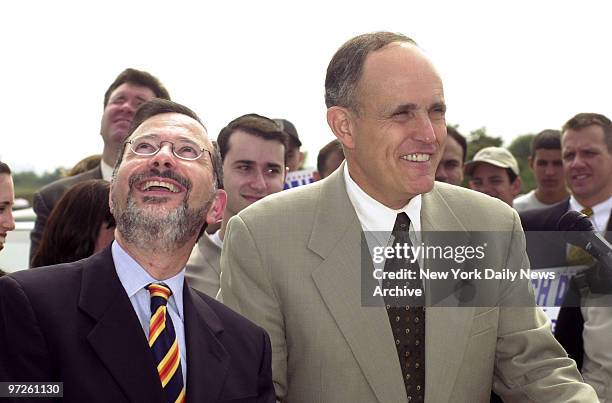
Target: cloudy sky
(514, 67)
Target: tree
(479, 139)
(521, 149)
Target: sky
(513, 67)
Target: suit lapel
(117, 337)
(443, 355)
(207, 360)
(336, 237)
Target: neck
(160, 263)
(551, 197)
(226, 218)
(109, 155)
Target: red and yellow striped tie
(164, 344)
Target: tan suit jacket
(204, 266)
(291, 263)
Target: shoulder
(460, 197)
(58, 187)
(544, 219)
(234, 324)
(286, 207)
(43, 283)
(454, 207)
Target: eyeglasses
(183, 149)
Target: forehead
(484, 170)
(246, 146)
(132, 89)
(589, 136)
(453, 148)
(548, 154)
(401, 72)
(6, 188)
(172, 125)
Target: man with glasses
(123, 325)
(130, 89)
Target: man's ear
(340, 122)
(215, 212)
(316, 175)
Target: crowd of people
(176, 268)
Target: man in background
(253, 151)
(130, 89)
(329, 159)
(546, 164)
(295, 157)
(586, 148)
(450, 169)
(495, 172)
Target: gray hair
(345, 67)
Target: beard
(151, 228)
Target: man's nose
(164, 157)
(258, 182)
(9, 223)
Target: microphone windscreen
(574, 221)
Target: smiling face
(587, 164)
(394, 141)
(495, 182)
(7, 197)
(162, 197)
(118, 114)
(253, 168)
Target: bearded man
(123, 325)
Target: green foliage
(479, 139)
(28, 182)
(520, 148)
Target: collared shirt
(216, 238)
(601, 213)
(107, 170)
(134, 279)
(377, 220)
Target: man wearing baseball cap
(494, 171)
(295, 158)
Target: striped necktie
(576, 255)
(164, 344)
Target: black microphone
(578, 230)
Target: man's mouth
(252, 199)
(154, 185)
(416, 157)
(579, 176)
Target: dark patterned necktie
(407, 317)
(164, 344)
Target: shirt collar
(375, 216)
(107, 170)
(601, 212)
(134, 277)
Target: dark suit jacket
(545, 246)
(549, 249)
(47, 197)
(74, 323)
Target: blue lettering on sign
(561, 289)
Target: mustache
(168, 174)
